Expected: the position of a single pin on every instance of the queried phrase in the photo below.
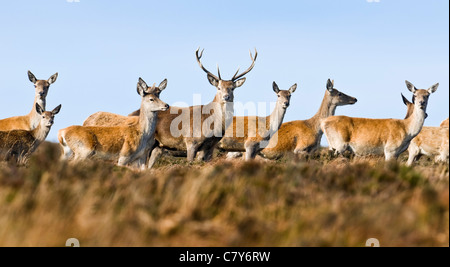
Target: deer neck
(226, 111)
(147, 122)
(415, 122)
(35, 118)
(410, 111)
(327, 109)
(276, 118)
(40, 133)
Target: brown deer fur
(244, 133)
(303, 136)
(127, 145)
(31, 120)
(378, 136)
(431, 141)
(110, 119)
(186, 142)
(20, 144)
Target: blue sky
(100, 48)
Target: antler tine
(235, 77)
(201, 65)
(151, 89)
(235, 73)
(218, 71)
(256, 54)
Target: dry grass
(318, 201)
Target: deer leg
(133, 164)
(250, 151)
(155, 154)
(340, 149)
(337, 145)
(336, 142)
(443, 154)
(123, 161)
(192, 149)
(201, 155)
(389, 154)
(445, 157)
(82, 154)
(234, 155)
(67, 152)
(138, 163)
(301, 153)
(413, 152)
(206, 154)
(442, 157)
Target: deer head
(420, 97)
(155, 90)
(150, 100)
(409, 107)
(41, 86)
(225, 88)
(284, 96)
(338, 98)
(47, 116)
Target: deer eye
(340, 94)
(151, 100)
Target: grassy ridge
(322, 201)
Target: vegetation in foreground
(319, 201)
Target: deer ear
(56, 110)
(142, 83)
(141, 90)
(433, 88)
(330, 85)
(275, 87)
(163, 85)
(293, 88)
(410, 87)
(405, 100)
(239, 82)
(213, 81)
(52, 79)
(39, 109)
(31, 77)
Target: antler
(235, 77)
(201, 65)
(218, 72)
(150, 90)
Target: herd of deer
(137, 140)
